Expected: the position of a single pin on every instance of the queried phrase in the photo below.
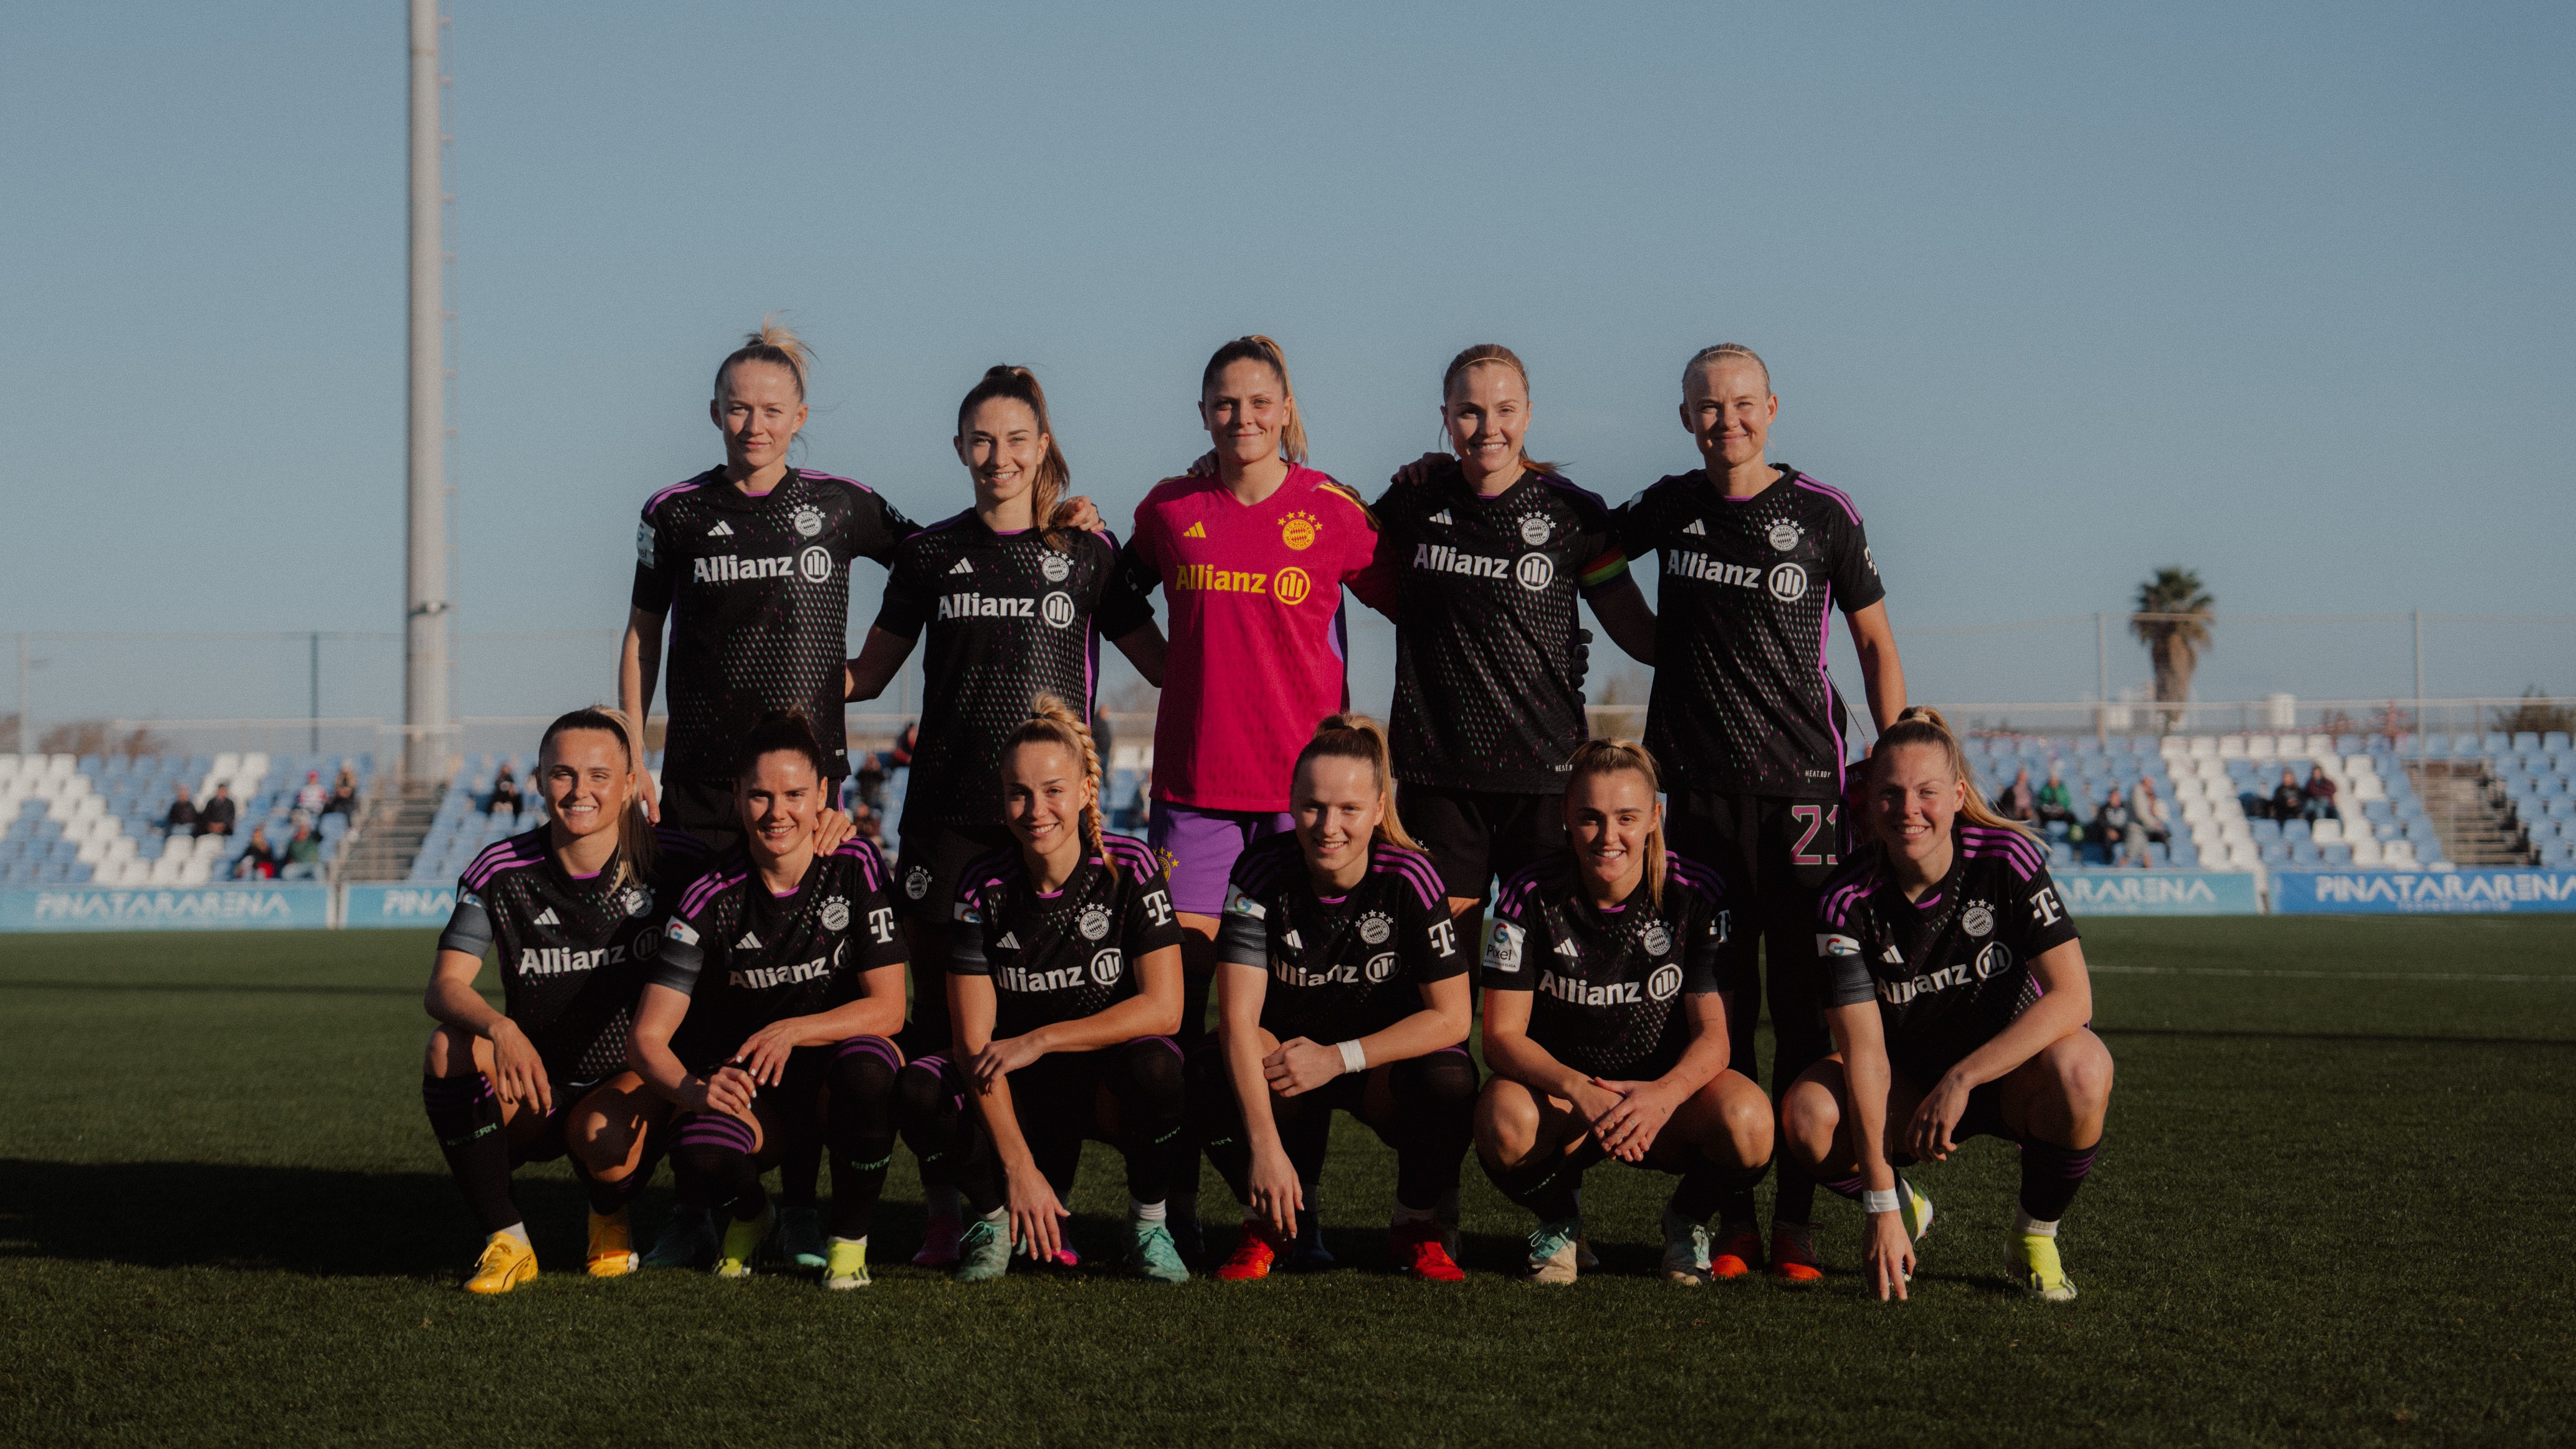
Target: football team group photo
(1471, 724)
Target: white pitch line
(2321, 975)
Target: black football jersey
(1952, 969)
(1009, 618)
(746, 958)
(1345, 967)
(1068, 955)
(758, 593)
(573, 950)
(1490, 651)
(1608, 984)
(1741, 701)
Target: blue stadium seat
(2336, 854)
(2295, 831)
(2526, 740)
(2273, 852)
(2305, 852)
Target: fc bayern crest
(809, 522)
(1784, 535)
(1375, 928)
(1657, 940)
(1976, 920)
(1055, 566)
(1094, 924)
(916, 882)
(836, 914)
(1534, 530)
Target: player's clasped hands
(1627, 1128)
(1301, 1065)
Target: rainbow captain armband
(1610, 565)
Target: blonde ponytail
(1615, 757)
(1348, 736)
(636, 848)
(1052, 722)
(1257, 348)
(1923, 725)
(774, 342)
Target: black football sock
(466, 1117)
(2050, 1174)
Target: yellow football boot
(845, 1265)
(742, 1242)
(506, 1263)
(2032, 1259)
(612, 1250)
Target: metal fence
(341, 691)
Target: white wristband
(1879, 1202)
(1353, 1059)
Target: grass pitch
(2333, 1207)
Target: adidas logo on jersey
(1009, 942)
(1195, 530)
(963, 567)
(721, 530)
(1697, 527)
(546, 917)
(1441, 517)
(1570, 951)
(749, 942)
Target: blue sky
(2059, 293)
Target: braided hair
(1052, 722)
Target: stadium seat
(2326, 832)
(2337, 853)
(2397, 852)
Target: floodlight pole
(425, 741)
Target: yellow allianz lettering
(1209, 579)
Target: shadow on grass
(315, 1220)
(2378, 1038)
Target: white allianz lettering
(725, 568)
(1688, 564)
(1897, 993)
(1584, 993)
(762, 978)
(1440, 558)
(1292, 974)
(1063, 978)
(984, 606)
(565, 960)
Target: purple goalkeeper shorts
(1197, 849)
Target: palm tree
(2173, 621)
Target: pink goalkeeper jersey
(1258, 641)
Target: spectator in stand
(303, 855)
(2149, 807)
(2057, 808)
(344, 798)
(182, 819)
(868, 821)
(870, 781)
(312, 796)
(2289, 802)
(904, 745)
(2115, 825)
(215, 817)
(505, 793)
(257, 861)
(2019, 801)
(2321, 795)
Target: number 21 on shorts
(1817, 820)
